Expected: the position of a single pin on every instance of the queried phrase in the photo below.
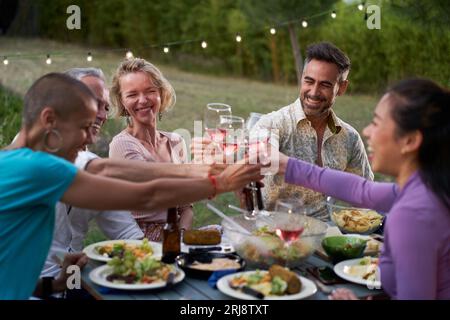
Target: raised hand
(236, 176)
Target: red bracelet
(214, 183)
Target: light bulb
(89, 57)
(129, 55)
(360, 7)
(333, 14)
(273, 30)
(5, 61)
(304, 24)
(48, 60)
(166, 49)
(204, 44)
(238, 38)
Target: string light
(204, 44)
(129, 55)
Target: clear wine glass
(290, 205)
(232, 129)
(211, 119)
(289, 219)
(252, 120)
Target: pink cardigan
(125, 146)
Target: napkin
(216, 275)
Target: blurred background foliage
(414, 39)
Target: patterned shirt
(342, 149)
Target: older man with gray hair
(72, 224)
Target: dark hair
(56, 90)
(421, 104)
(326, 51)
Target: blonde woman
(142, 94)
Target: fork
(325, 289)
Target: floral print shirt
(342, 149)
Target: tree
(274, 12)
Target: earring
(58, 136)
(128, 119)
(160, 116)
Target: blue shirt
(31, 183)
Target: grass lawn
(194, 91)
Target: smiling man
(309, 130)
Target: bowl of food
(340, 248)
(281, 238)
(203, 264)
(352, 219)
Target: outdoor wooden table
(198, 289)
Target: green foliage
(412, 39)
(10, 116)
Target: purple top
(415, 260)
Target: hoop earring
(160, 116)
(58, 135)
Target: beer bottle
(171, 237)
(248, 193)
(259, 199)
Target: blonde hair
(133, 65)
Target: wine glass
(289, 222)
(211, 119)
(252, 120)
(290, 205)
(211, 152)
(232, 129)
(252, 146)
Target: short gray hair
(79, 73)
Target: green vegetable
(254, 278)
(279, 286)
(365, 261)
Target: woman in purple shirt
(409, 139)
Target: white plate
(94, 255)
(99, 274)
(341, 266)
(308, 288)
